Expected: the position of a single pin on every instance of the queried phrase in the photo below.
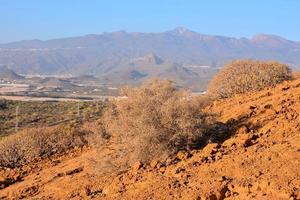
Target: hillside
(138, 70)
(259, 159)
(8, 74)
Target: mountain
(137, 70)
(136, 56)
(8, 74)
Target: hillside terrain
(258, 159)
(8, 74)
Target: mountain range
(119, 57)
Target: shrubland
(242, 76)
(33, 114)
(36, 143)
(156, 120)
(152, 121)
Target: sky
(47, 19)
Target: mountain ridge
(178, 30)
(111, 53)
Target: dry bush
(247, 75)
(30, 144)
(97, 136)
(156, 120)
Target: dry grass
(247, 75)
(156, 120)
(31, 144)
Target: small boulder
(183, 155)
(136, 167)
(243, 130)
(153, 164)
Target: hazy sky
(45, 19)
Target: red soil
(260, 160)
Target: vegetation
(56, 129)
(42, 113)
(156, 120)
(3, 104)
(31, 144)
(247, 75)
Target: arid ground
(259, 159)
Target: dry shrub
(97, 136)
(247, 75)
(30, 144)
(156, 120)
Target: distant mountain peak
(180, 30)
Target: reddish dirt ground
(260, 160)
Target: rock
(136, 167)
(241, 140)
(179, 170)
(211, 148)
(213, 197)
(2, 178)
(223, 178)
(29, 191)
(296, 194)
(74, 171)
(169, 161)
(285, 88)
(153, 164)
(223, 192)
(258, 174)
(243, 130)
(162, 169)
(5, 182)
(183, 155)
(268, 106)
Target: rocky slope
(260, 159)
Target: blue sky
(46, 19)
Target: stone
(136, 167)
(243, 130)
(153, 164)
